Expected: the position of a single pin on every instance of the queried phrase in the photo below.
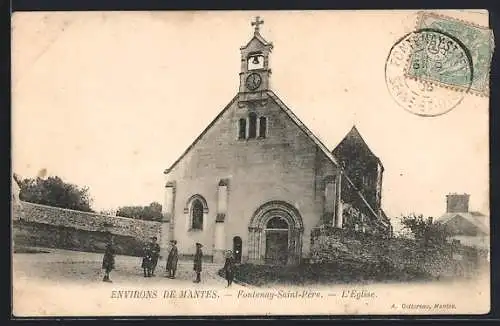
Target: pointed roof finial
(256, 23)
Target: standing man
(155, 254)
(173, 257)
(197, 262)
(108, 261)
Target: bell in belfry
(255, 60)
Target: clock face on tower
(253, 81)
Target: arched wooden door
(277, 237)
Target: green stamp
(437, 57)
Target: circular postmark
(428, 72)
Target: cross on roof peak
(257, 23)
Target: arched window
(242, 129)
(277, 222)
(262, 127)
(197, 215)
(252, 125)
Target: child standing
(229, 268)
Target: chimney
(457, 203)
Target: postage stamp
(431, 69)
(440, 58)
(431, 58)
(427, 64)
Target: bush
(398, 256)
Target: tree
(152, 212)
(53, 191)
(426, 230)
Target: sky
(109, 100)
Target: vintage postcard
(250, 163)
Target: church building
(258, 181)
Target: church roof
(355, 135)
(301, 126)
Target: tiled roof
(479, 220)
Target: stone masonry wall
(35, 213)
(284, 166)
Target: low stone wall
(139, 229)
(32, 234)
(40, 225)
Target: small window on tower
(252, 125)
(262, 127)
(255, 61)
(242, 131)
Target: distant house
(470, 228)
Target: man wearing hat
(155, 254)
(197, 262)
(173, 257)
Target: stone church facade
(258, 181)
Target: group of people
(151, 255)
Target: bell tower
(255, 72)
